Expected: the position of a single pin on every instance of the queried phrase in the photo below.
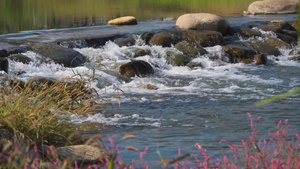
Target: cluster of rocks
(194, 32)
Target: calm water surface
(18, 15)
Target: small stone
(260, 59)
(126, 20)
(136, 68)
(148, 86)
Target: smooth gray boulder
(65, 56)
(273, 7)
(203, 21)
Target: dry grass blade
(127, 137)
(130, 148)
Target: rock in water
(273, 7)
(81, 153)
(126, 20)
(165, 39)
(136, 68)
(20, 58)
(260, 59)
(65, 56)
(4, 65)
(203, 21)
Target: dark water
(18, 15)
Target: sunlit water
(203, 105)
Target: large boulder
(136, 68)
(126, 20)
(165, 39)
(273, 7)
(58, 54)
(203, 21)
(203, 38)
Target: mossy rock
(125, 41)
(126, 20)
(141, 52)
(189, 49)
(260, 59)
(287, 38)
(20, 58)
(239, 52)
(146, 36)
(194, 64)
(263, 47)
(165, 39)
(136, 68)
(177, 59)
(283, 25)
(246, 32)
(203, 38)
(278, 43)
(58, 54)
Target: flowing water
(204, 104)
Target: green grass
(40, 112)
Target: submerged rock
(273, 7)
(245, 32)
(260, 59)
(239, 53)
(194, 64)
(4, 65)
(148, 86)
(263, 47)
(60, 55)
(177, 59)
(190, 50)
(20, 58)
(278, 43)
(125, 41)
(203, 21)
(141, 52)
(165, 39)
(126, 20)
(203, 38)
(136, 68)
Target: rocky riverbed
(163, 62)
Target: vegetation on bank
(39, 111)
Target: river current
(205, 104)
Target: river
(204, 104)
